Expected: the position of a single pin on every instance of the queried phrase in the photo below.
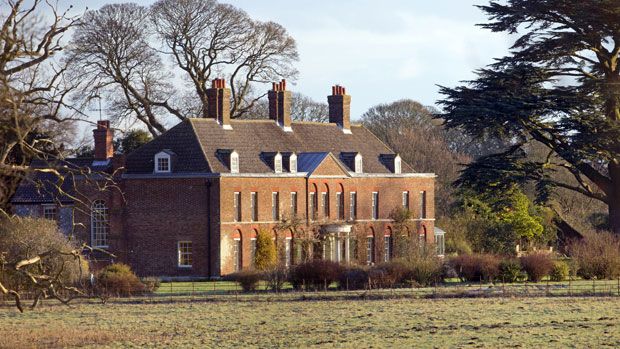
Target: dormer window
(293, 163)
(358, 163)
(277, 163)
(163, 163)
(234, 162)
(397, 165)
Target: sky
(381, 50)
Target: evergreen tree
(560, 86)
(265, 256)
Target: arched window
(387, 245)
(237, 251)
(99, 224)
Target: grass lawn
(257, 322)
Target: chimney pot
(218, 103)
(340, 108)
(280, 105)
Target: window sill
(184, 266)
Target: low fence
(232, 291)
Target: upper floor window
(275, 206)
(325, 204)
(375, 205)
(397, 165)
(423, 204)
(254, 206)
(49, 212)
(162, 162)
(237, 206)
(234, 162)
(312, 205)
(293, 163)
(99, 224)
(340, 205)
(359, 163)
(293, 203)
(352, 205)
(406, 200)
(277, 163)
(184, 252)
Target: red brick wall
(158, 214)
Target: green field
(262, 322)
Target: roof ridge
(386, 146)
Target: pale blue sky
(380, 51)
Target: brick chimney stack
(218, 103)
(280, 105)
(103, 134)
(340, 108)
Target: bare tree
(208, 39)
(303, 108)
(408, 128)
(111, 55)
(33, 86)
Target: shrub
(537, 265)
(560, 271)
(276, 277)
(24, 238)
(510, 271)
(425, 271)
(265, 255)
(476, 267)
(315, 274)
(388, 274)
(248, 279)
(118, 279)
(353, 278)
(151, 284)
(598, 256)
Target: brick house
(190, 202)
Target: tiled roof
(43, 187)
(196, 143)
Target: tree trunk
(614, 198)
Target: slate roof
(196, 142)
(42, 187)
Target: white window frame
(54, 215)
(352, 205)
(405, 200)
(387, 248)
(184, 253)
(312, 209)
(277, 163)
(99, 224)
(288, 249)
(375, 205)
(237, 217)
(254, 206)
(275, 206)
(359, 163)
(234, 162)
(370, 249)
(398, 167)
(252, 250)
(440, 242)
(237, 254)
(325, 203)
(163, 156)
(292, 163)
(293, 203)
(339, 206)
(422, 204)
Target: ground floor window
(237, 254)
(440, 242)
(387, 248)
(184, 250)
(252, 250)
(337, 248)
(288, 243)
(49, 212)
(370, 250)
